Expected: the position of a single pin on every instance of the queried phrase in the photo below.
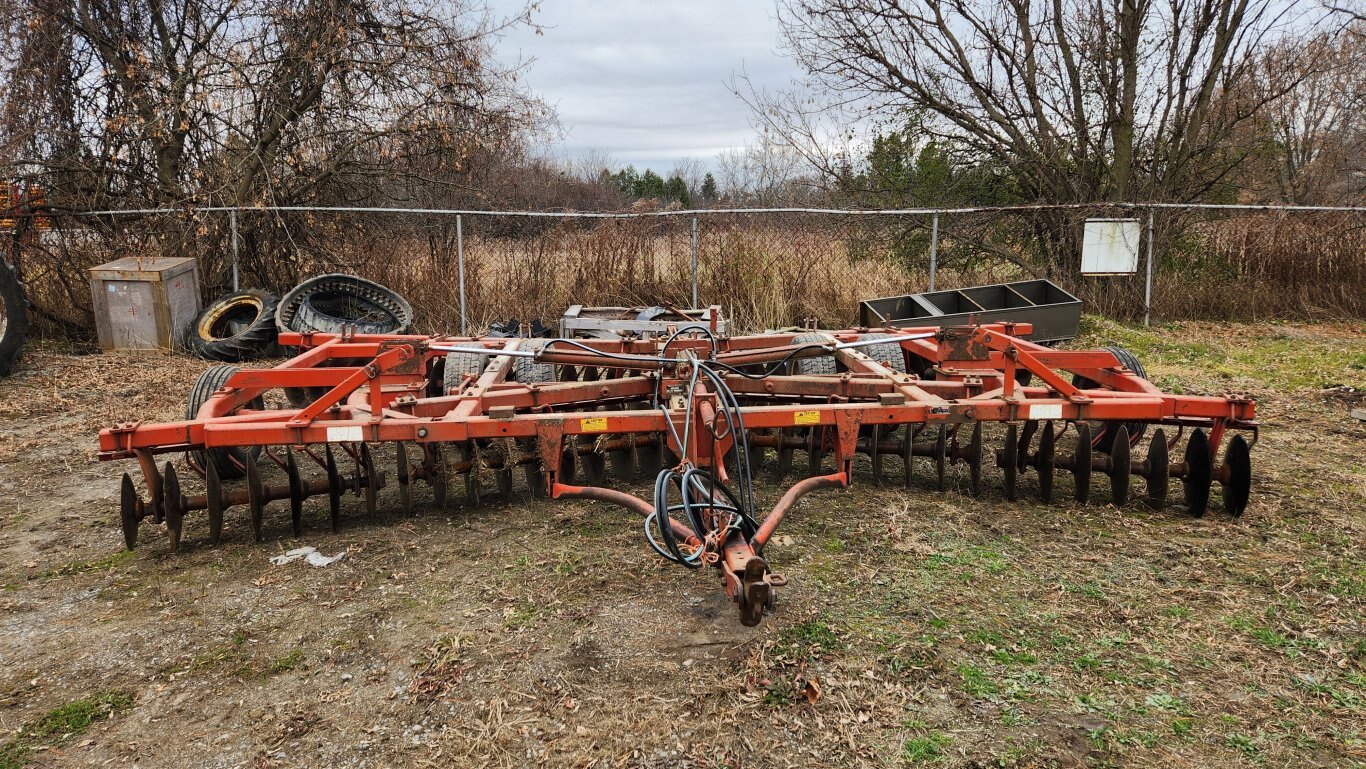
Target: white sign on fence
(1110, 247)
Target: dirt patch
(918, 627)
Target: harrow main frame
(700, 408)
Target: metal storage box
(610, 322)
(144, 303)
(1055, 313)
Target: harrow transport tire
(13, 318)
(227, 461)
(1104, 436)
(235, 327)
(457, 366)
(820, 364)
(890, 354)
(330, 303)
(527, 370)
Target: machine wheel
(235, 328)
(527, 370)
(890, 354)
(1105, 433)
(13, 318)
(228, 461)
(821, 364)
(457, 366)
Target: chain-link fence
(767, 268)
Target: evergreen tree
(677, 189)
(649, 185)
(709, 188)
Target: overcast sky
(645, 81)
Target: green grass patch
(287, 662)
(925, 749)
(60, 724)
(977, 682)
(808, 639)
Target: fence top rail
(722, 211)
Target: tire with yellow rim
(235, 327)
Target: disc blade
(256, 500)
(651, 460)
(594, 468)
(469, 455)
(1010, 462)
(568, 470)
(875, 455)
(1120, 466)
(1081, 462)
(1199, 474)
(974, 460)
(296, 494)
(128, 511)
(784, 453)
(755, 458)
(367, 466)
(1026, 437)
(815, 450)
(504, 481)
(623, 463)
(532, 471)
(908, 453)
(1238, 487)
(405, 478)
(941, 444)
(1159, 470)
(174, 504)
(213, 493)
(1044, 461)
(334, 490)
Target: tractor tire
(820, 364)
(330, 303)
(235, 327)
(13, 318)
(527, 370)
(1104, 436)
(208, 383)
(889, 354)
(457, 365)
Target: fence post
(460, 267)
(232, 226)
(934, 247)
(1148, 287)
(694, 262)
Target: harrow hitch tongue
(695, 413)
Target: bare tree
(767, 171)
(1083, 100)
(247, 101)
(1310, 140)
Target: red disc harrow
(698, 413)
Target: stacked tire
(236, 327)
(331, 303)
(245, 325)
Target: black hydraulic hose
(690, 329)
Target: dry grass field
(919, 629)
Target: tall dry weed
(767, 272)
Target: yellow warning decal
(593, 425)
(806, 418)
